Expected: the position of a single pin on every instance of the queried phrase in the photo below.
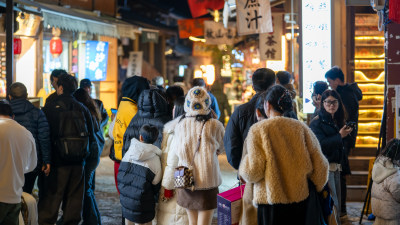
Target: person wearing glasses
(330, 128)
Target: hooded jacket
(351, 94)
(386, 191)
(328, 136)
(139, 179)
(282, 154)
(131, 90)
(152, 109)
(34, 120)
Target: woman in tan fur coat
(282, 155)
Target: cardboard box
(229, 205)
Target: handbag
(314, 214)
(183, 175)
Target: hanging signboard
(96, 60)
(316, 46)
(253, 17)
(271, 43)
(135, 64)
(201, 49)
(216, 33)
(149, 37)
(191, 27)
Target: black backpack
(73, 136)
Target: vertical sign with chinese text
(271, 43)
(253, 16)
(316, 46)
(216, 33)
(96, 60)
(135, 64)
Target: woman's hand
(345, 131)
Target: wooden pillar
(151, 53)
(136, 43)
(393, 78)
(9, 43)
(163, 58)
(109, 87)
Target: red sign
(56, 46)
(394, 10)
(17, 46)
(201, 7)
(191, 27)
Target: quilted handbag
(183, 175)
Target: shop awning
(69, 19)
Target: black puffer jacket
(152, 109)
(236, 131)
(34, 120)
(351, 95)
(328, 136)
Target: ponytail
(280, 99)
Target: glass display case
(369, 60)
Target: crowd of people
(157, 133)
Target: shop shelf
(366, 24)
(369, 119)
(373, 93)
(357, 68)
(366, 145)
(369, 45)
(371, 106)
(362, 57)
(366, 81)
(367, 133)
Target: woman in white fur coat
(282, 154)
(170, 213)
(198, 127)
(385, 195)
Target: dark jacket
(34, 120)
(99, 125)
(139, 177)
(52, 113)
(152, 109)
(222, 100)
(51, 98)
(236, 131)
(328, 136)
(351, 95)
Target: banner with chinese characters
(216, 33)
(253, 17)
(201, 49)
(200, 7)
(191, 27)
(96, 60)
(135, 64)
(149, 37)
(271, 43)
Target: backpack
(73, 136)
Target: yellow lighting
(169, 52)
(209, 74)
(255, 60)
(216, 16)
(369, 38)
(197, 39)
(278, 65)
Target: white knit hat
(197, 102)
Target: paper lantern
(17, 46)
(56, 46)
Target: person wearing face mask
(283, 154)
(330, 129)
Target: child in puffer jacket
(386, 185)
(139, 178)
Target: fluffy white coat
(282, 153)
(206, 170)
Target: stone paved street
(108, 199)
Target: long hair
(340, 115)
(82, 96)
(392, 151)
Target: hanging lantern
(56, 46)
(17, 46)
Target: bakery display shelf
(367, 81)
(369, 45)
(369, 119)
(366, 145)
(358, 68)
(371, 57)
(368, 132)
(373, 93)
(371, 106)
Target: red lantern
(17, 46)
(56, 46)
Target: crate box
(229, 205)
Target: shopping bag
(229, 205)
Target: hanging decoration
(56, 46)
(17, 46)
(200, 7)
